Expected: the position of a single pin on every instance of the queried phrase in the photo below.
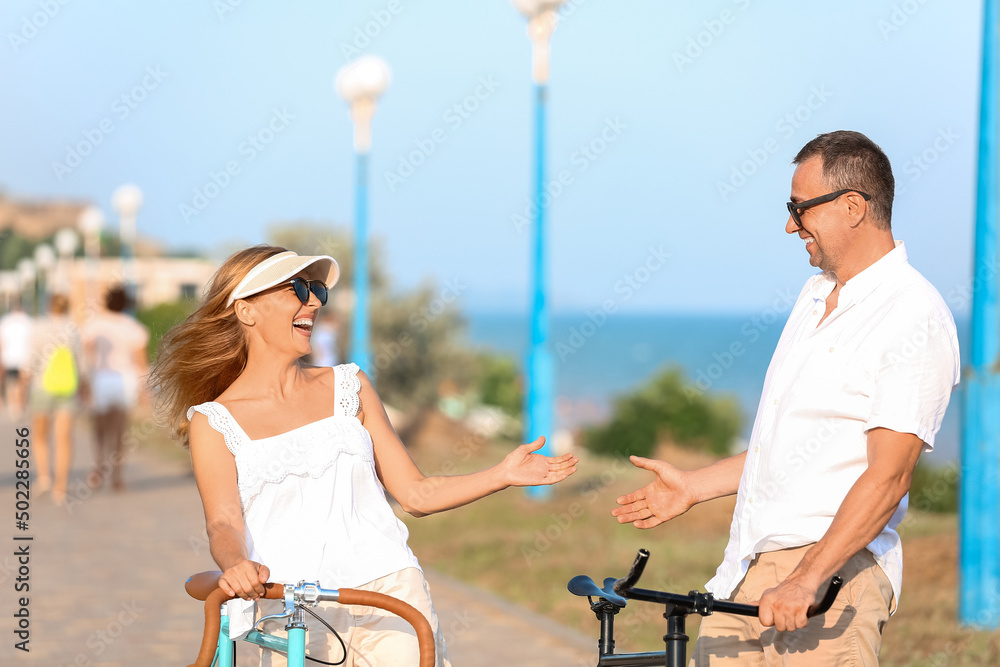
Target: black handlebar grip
(622, 585)
(827, 601)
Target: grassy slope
(527, 551)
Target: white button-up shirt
(886, 357)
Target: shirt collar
(861, 285)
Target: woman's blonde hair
(199, 358)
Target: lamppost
(45, 260)
(127, 200)
(65, 245)
(542, 18)
(360, 83)
(979, 502)
(26, 272)
(90, 223)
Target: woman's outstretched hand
(662, 499)
(522, 467)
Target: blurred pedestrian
(114, 346)
(54, 372)
(15, 346)
(324, 342)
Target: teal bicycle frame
(204, 586)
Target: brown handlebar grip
(425, 636)
(213, 614)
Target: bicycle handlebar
(205, 586)
(704, 603)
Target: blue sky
(692, 112)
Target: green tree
(499, 383)
(160, 318)
(662, 411)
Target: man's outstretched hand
(662, 499)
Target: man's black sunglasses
(303, 287)
(795, 209)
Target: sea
(599, 356)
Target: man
(15, 345)
(856, 389)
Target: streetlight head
(26, 270)
(66, 242)
(91, 220)
(532, 8)
(127, 200)
(45, 256)
(364, 78)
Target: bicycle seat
(584, 586)
(200, 585)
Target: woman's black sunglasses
(303, 287)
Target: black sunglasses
(795, 209)
(303, 287)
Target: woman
(291, 459)
(54, 377)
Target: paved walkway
(107, 573)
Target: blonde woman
(292, 461)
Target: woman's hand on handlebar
(664, 498)
(245, 580)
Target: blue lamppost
(360, 84)
(127, 200)
(542, 18)
(979, 513)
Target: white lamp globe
(45, 256)
(91, 220)
(367, 77)
(127, 200)
(66, 242)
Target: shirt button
(775, 401)
(831, 349)
(750, 500)
(815, 312)
(756, 449)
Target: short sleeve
(917, 373)
(348, 384)
(220, 419)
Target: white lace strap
(348, 385)
(222, 421)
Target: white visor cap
(284, 266)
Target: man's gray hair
(852, 161)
